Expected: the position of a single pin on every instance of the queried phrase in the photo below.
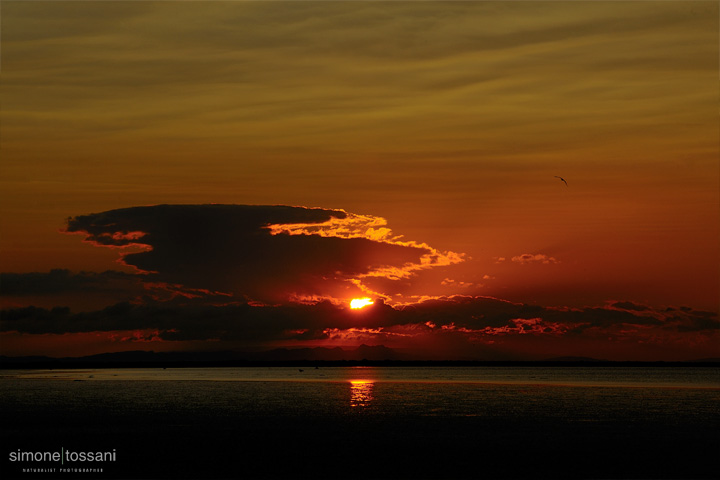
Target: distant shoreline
(6, 364)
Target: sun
(357, 303)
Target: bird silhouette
(561, 178)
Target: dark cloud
(602, 317)
(62, 281)
(475, 319)
(695, 321)
(629, 306)
(230, 248)
(188, 322)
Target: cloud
(259, 253)
(460, 320)
(172, 322)
(459, 283)
(527, 258)
(355, 66)
(63, 281)
(629, 306)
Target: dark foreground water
(363, 423)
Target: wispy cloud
(299, 74)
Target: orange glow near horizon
(358, 303)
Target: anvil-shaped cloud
(260, 253)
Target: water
(372, 422)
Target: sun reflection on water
(361, 393)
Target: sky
(208, 175)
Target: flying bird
(561, 178)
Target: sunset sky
(211, 175)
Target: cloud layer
(458, 326)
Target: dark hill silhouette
(363, 352)
(573, 359)
(362, 355)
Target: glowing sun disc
(360, 302)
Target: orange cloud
(373, 228)
(526, 258)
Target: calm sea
(367, 422)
